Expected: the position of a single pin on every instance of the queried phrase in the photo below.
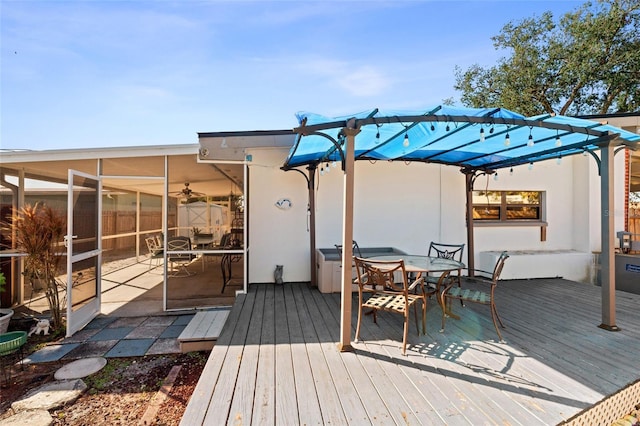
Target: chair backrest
(446, 251)
(356, 249)
(179, 243)
(225, 240)
(382, 274)
(497, 270)
(152, 245)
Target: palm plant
(39, 230)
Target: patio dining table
(424, 265)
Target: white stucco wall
(406, 206)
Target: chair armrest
(419, 281)
(476, 280)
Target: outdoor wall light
(481, 134)
(507, 140)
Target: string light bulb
(481, 134)
(432, 127)
(511, 171)
(558, 140)
(531, 166)
(334, 164)
(559, 160)
(530, 141)
(405, 142)
(507, 140)
(495, 176)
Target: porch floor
(277, 361)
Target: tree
(39, 233)
(586, 63)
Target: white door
(84, 245)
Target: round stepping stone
(80, 368)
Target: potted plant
(5, 314)
(39, 230)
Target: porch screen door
(84, 245)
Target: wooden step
(203, 330)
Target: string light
(447, 128)
(334, 164)
(432, 127)
(558, 140)
(405, 142)
(481, 134)
(495, 176)
(559, 160)
(530, 141)
(511, 171)
(507, 140)
(531, 166)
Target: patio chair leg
(405, 334)
(495, 318)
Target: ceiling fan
(188, 192)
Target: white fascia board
(97, 153)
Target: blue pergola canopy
(484, 139)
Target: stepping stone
(29, 417)
(80, 368)
(51, 396)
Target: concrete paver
(51, 396)
(129, 347)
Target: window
(508, 206)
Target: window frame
(504, 206)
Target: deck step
(203, 330)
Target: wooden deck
(276, 361)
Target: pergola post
(607, 255)
(469, 179)
(347, 240)
(312, 223)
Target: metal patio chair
(379, 290)
(479, 288)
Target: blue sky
(126, 73)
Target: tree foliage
(39, 232)
(587, 62)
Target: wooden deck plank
(201, 397)
(264, 399)
(241, 410)
(349, 399)
(328, 398)
(305, 391)
(555, 361)
(224, 387)
(286, 408)
(382, 403)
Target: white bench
(523, 264)
(203, 330)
